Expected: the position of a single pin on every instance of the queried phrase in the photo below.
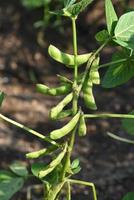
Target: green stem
(107, 115)
(112, 63)
(87, 184)
(120, 138)
(68, 155)
(75, 98)
(91, 59)
(29, 130)
(68, 191)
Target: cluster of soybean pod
(80, 86)
(57, 174)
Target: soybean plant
(58, 174)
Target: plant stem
(91, 59)
(108, 115)
(112, 63)
(120, 138)
(68, 155)
(75, 98)
(29, 130)
(68, 191)
(87, 184)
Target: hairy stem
(86, 184)
(107, 115)
(75, 98)
(112, 63)
(29, 130)
(68, 191)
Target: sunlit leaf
(124, 30)
(111, 17)
(76, 8)
(19, 169)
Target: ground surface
(107, 163)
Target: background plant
(57, 174)
(46, 17)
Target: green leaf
(76, 8)
(111, 17)
(19, 169)
(124, 30)
(9, 187)
(6, 175)
(75, 163)
(120, 73)
(76, 170)
(34, 3)
(129, 196)
(128, 124)
(68, 3)
(2, 96)
(37, 167)
(102, 36)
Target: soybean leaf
(124, 30)
(76, 170)
(128, 124)
(69, 2)
(6, 175)
(34, 3)
(9, 187)
(119, 73)
(129, 196)
(111, 17)
(37, 167)
(102, 36)
(2, 96)
(19, 169)
(76, 8)
(75, 163)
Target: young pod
(57, 109)
(65, 58)
(64, 114)
(88, 95)
(48, 169)
(40, 153)
(82, 129)
(62, 90)
(59, 133)
(94, 74)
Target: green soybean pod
(40, 153)
(94, 74)
(53, 164)
(88, 95)
(62, 90)
(65, 58)
(2, 96)
(59, 133)
(64, 114)
(82, 129)
(57, 109)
